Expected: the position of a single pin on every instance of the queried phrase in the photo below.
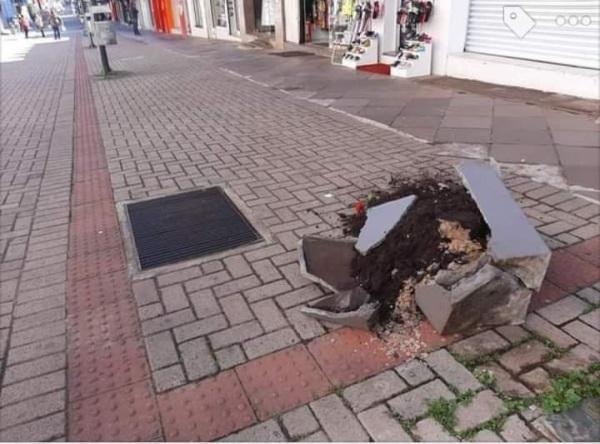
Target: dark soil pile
(415, 247)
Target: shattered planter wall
(498, 288)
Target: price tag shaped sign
(517, 20)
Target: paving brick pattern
(150, 354)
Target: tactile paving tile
(281, 381)
(103, 324)
(207, 410)
(96, 369)
(93, 227)
(127, 414)
(350, 355)
(92, 187)
(88, 294)
(88, 265)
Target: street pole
(104, 58)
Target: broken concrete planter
(496, 289)
(329, 263)
(381, 219)
(353, 308)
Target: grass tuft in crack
(569, 390)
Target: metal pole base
(104, 58)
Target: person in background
(24, 24)
(134, 18)
(55, 22)
(39, 24)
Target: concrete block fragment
(353, 308)
(488, 297)
(514, 244)
(328, 261)
(381, 219)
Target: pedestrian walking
(55, 22)
(24, 24)
(134, 17)
(39, 24)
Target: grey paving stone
(36, 349)
(337, 420)
(267, 291)
(479, 345)
(230, 356)
(545, 329)
(161, 350)
(270, 342)
(316, 437)
(515, 430)
(524, 356)
(452, 371)
(592, 318)
(200, 328)
(150, 311)
(414, 403)
(300, 422)
(35, 367)
(208, 281)
(578, 358)
(197, 358)
(484, 407)
(504, 383)
(43, 429)
(236, 334)
(32, 387)
(537, 379)
(204, 303)
(269, 315)
(364, 394)
(485, 436)
(211, 267)
(168, 378)
(564, 310)
(415, 372)
(513, 333)
(268, 431)
(178, 276)
(584, 333)
(37, 333)
(590, 294)
(145, 292)
(237, 266)
(429, 430)
(167, 322)
(382, 426)
(32, 408)
(38, 319)
(266, 271)
(173, 297)
(236, 309)
(305, 326)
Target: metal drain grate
(188, 225)
(291, 54)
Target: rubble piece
(579, 424)
(353, 308)
(486, 298)
(459, 239)
(328, 261)
(381, 219)
(514, 245)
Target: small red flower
(360, 208)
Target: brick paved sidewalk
(94, 350)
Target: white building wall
(291, 13)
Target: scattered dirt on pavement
(419, 246)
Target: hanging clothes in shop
(322, 14)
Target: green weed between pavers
(566, 392)
(486, 377)
(570, 389)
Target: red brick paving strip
(283, 380)
(110, 393)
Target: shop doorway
(316, 20)
(225, 18)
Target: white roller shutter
(574, 43)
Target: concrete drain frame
(134, 266)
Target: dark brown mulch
(414, 245)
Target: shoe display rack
(413, 61)
(364, 53)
